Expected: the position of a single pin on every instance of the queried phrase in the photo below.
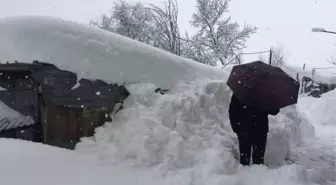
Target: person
(251, 126)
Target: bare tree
(278, 56)
(222, 37)
(332, 59)
(167, 29)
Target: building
(62, 109)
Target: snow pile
(9, 118)
(320, 111)
(188, 128)
(94, 53)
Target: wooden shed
(63, 126)
(64, 109)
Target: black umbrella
(264, 86)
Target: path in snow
(319, 153)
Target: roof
(57, 86)
(10, 118)
(23, 67)
(12, 123)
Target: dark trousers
(256, 141)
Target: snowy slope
(94, 53)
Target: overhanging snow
(94, 53)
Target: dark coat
(247, 119)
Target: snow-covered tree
(150, 24)
(166, 26)
(220, 37)
(193, 48)
(131, 20)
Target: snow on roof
(9, 118)
(94, 53)
(323, 77)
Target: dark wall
(25, 133)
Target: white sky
(286, 22)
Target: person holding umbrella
(259, 90)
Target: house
(63, 110)
(315, 89)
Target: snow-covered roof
(94, 53)
(323, 77)
(9, 118)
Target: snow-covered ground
(26, 163)
(182, 137)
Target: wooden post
(313, 76)
(270, 57)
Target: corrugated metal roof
(11, 123)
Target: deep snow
(26, 163)
(182, 137)
(187, 131)
(319, 151)
(323, 109)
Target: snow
(319, 151)
(323, 109)
(182, 137)
(27, 163)
(2, 89)
(21, 164)
(187, 131)
(9, 118)
(94, 53)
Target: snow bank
(94, 53)
(320, 111)
(188, 128)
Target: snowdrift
(320, 111)
(188, 128)
(94, 53)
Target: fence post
(270, 57)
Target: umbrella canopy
(264, 86)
